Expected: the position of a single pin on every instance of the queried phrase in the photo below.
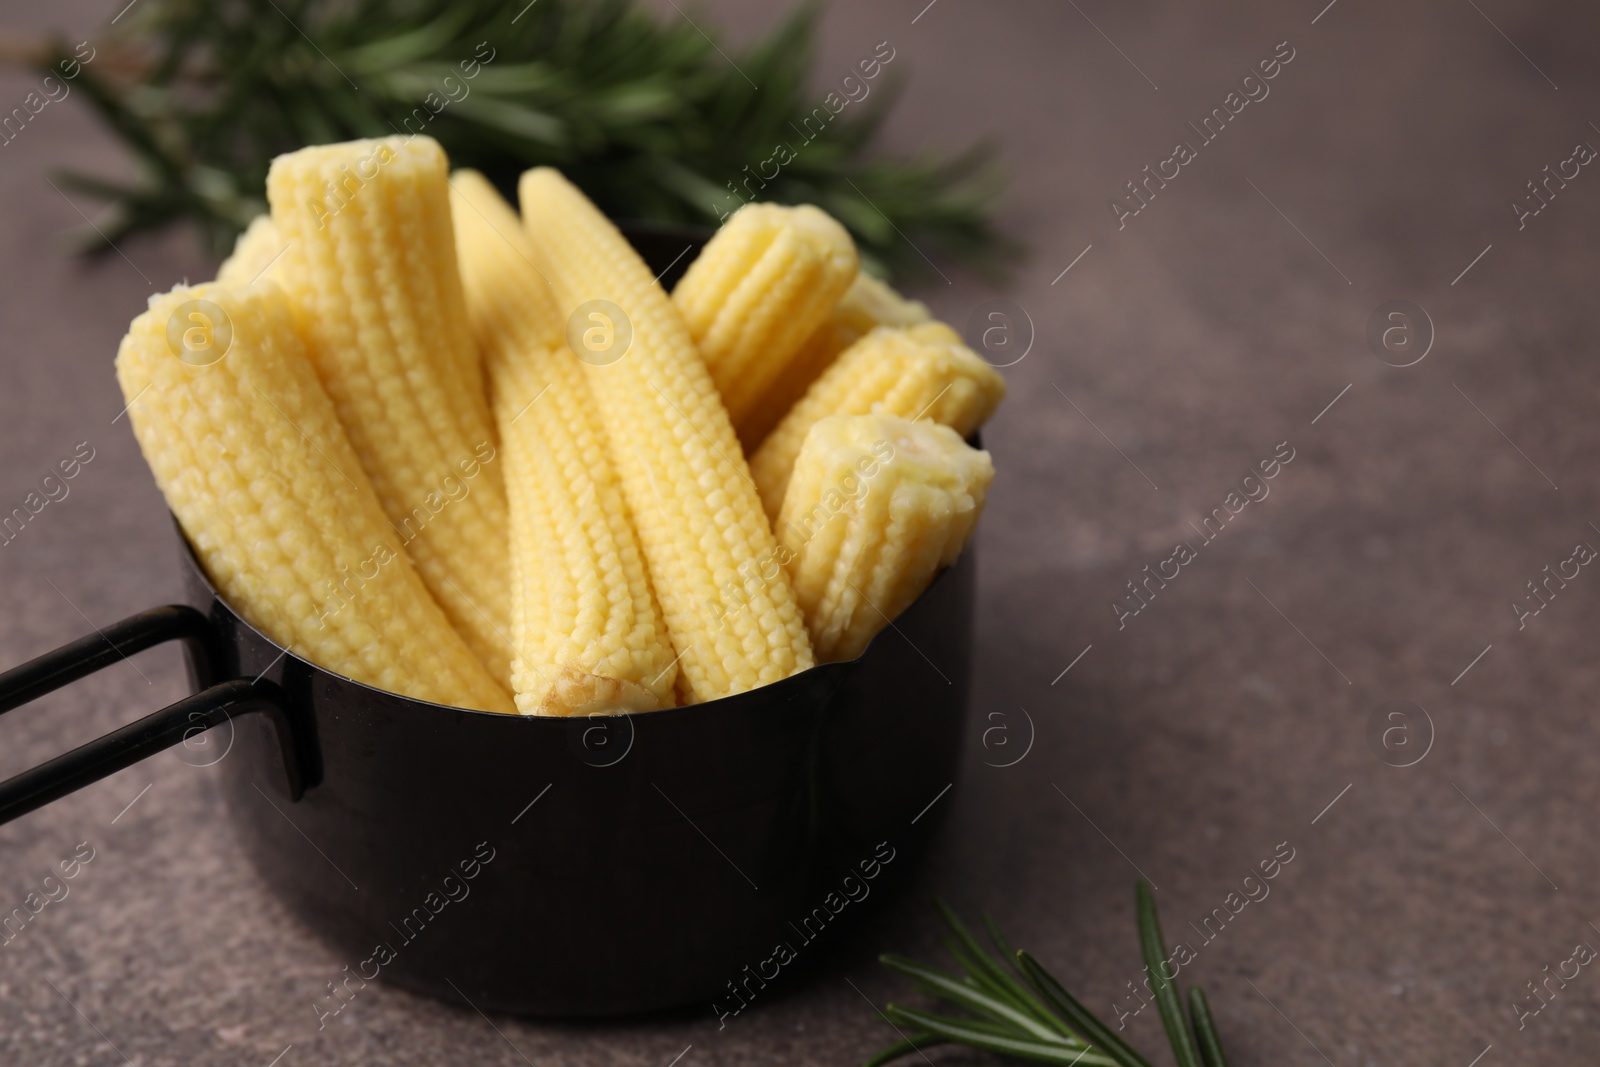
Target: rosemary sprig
(649, 117)
(1022, 1011)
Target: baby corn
(865, 306)
(588, 632)
(913, 372)
(248, 450)
(762, 285)
(711, 554)
(257, 250)
(876, 507)
(370, 264)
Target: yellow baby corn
(865, 306)
(761, 286)
(870, 303)
(588, 632)
(876, 507)
(371, 267)
(248, 450)
(258, 250)
(913, 372)
(711, 554)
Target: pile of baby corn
(490, 463)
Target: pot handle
(171, 725)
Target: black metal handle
(161, 730)
(81, 658)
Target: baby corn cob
(876, 507)
(588, 632)
(371, 267)
(711, 554)
(762, 285)
(258, 248)
(248, 450)
(868, 304)
(913, 372)
(865, 306)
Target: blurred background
(1157, 351)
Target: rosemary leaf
(976, 976)
(914, 1043)
(1155, 958)
(974, 1000)
(1092, 1028)
(997, 1039)
(1000, 942)
(978, 963)
(1205, 1030)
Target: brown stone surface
(1222, 720)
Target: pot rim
(797, 679)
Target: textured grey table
(1223, 720)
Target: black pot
(555, 867)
